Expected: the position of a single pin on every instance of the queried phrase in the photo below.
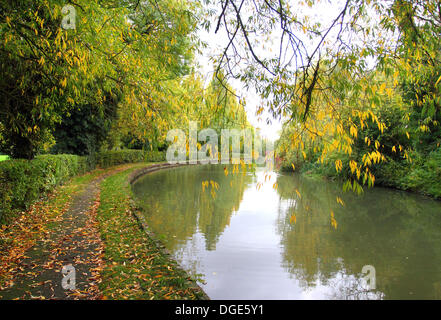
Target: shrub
(425, 175)
(106, 159)
(154, 156)
(24, 181)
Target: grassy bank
(136, 268)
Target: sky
(215, 42)
(325, 11)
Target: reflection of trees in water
(216, 212)
(185, 254)
(350, 287)
(176, 207)
(398, 233)
(304, 242)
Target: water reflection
(177, 208)
(245, 244)
(397, 232)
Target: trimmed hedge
(154, 156)
(24, 181)
(107, 159)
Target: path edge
(135, 209)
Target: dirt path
(76, 242)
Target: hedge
(24, 181)
(154, 156)
(107, 159)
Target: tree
(362, 115)
(47, 72)
(86, 129)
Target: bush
(106, 159)
(154, 156)
(425, 175)
(112, 158)
(24, 181)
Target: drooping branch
(294, 58)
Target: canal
(254, 234)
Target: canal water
(254, 234)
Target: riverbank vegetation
(377, 124)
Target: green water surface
(242, 241)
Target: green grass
(136, 268)
(3, 157)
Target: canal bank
(90, 225)
(133, 177)
(137, 265)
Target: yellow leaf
(340, 201)
(292, 219)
